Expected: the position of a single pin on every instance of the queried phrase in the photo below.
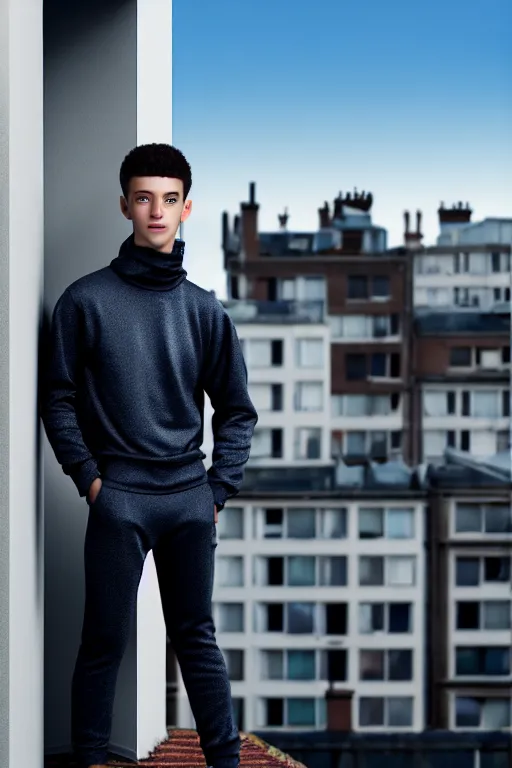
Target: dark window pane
(277, 443)
(498, 518)
(275, 566)
(450, 402)
(467, 572)
(336, 665)
(371, 710)
(450, 438)
(495, 759)
(468, 615)
(275, 617)
(277, 352)
(466, 661)
(371, 665)
(466, 405)
(378, 364)
(277, 397)
(467, 712)
(465, 444)
(380, 286)
(274, 516)
(275, 711)
(336, 618)
(300, 618)
(400, 665)
(400, 711)
(399, 617)
(496, 661)
(355, 366)
(497, 569)
(460, 356)
(357, 287)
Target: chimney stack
(249, 226)
(283, 219)
(458, 214)
(339, 709)
(325, 216)
(412, 240)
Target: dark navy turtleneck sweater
(133, 348)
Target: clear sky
(411, 101)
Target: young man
(134, 346)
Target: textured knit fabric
(133, 348)
(180, 529)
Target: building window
(309, 396)
(309, 353)
(267, 443)
(353, 327)
(276, 523)
(333, 665)
(487, 614)
(355, 366)
(375, 570)
(472, 571)
(376, 523)
(365, 405)
(357, 287)
(380, 287)
(292, 618)
(288, 665)
(235, 663)
(231, 523)
(460, 357)
(308, 443)
(334, 619)
(491, 714)
(490, 661)
(263, 353)
(395, 665)
(392, 618)
(301, 523)
(333, 571)
(389, 711)
(333, 523)
(230, 617)
(483, 518)
(266, 397)
(229, 571)
(385, 366)
(300, 712)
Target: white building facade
(479, 613)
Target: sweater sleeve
(234, 418)
(58, 401)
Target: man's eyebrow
(147, 192)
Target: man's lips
(156, 226)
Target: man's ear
(187, 210)
(124, 207)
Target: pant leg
(184, 559)
(114, 552)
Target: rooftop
(182, 749)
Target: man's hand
(94, 489)
(216, 514)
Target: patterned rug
(182, 750)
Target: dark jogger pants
(180, 529)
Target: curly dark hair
(155, 160)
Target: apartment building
(470, 266)
(286, 347)
(470, 596)
(461, 369)
(367, 298)
(320, 580)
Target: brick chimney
(325, 216)
(412, 240)
(339, 709)
(457, 214)
(249, 226)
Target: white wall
(21, 264)
(100, 64)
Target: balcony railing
(289, 311)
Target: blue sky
(410, 101)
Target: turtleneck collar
(148, 268)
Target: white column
(21, 284)
(107, 89)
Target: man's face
(152, 201)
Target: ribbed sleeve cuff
(83, 474)
(220, 495)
